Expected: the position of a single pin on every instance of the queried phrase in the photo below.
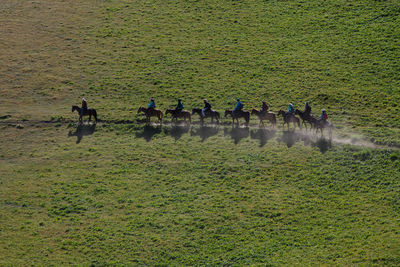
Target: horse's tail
(95, 114)
(273, 119)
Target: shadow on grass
(237, 133)
(148, 132)
(204, 132)
(176, 131)
(291, 137)
(82, 130)
(263, 135)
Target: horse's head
(228, 112)
(297, 112)
(193, 111)
(140, 109)
(168, 111)
(74, 108)
(281, 112)
(254, 111)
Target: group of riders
(236, 111)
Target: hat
(237, 99)
(323, 110)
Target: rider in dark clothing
(84, 107)
(307, 108)
(264, 107)
(207, 107)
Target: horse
(89, 112)
(239, 114)
(151, 112)
(305, 117)
(287, 118)
(264, 116)
(213, 114)
(321, 125)
(179, 114)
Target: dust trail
(340, 136)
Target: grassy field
(129, 194)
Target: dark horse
(151, 113)
(179, 114)
(213, 114)
(89, 112)
(305, 117)
(287, 118)
(264, 116)
(239, 114)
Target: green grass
(127, 194)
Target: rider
(152, 104)
(238, 107)
(207, 108)
(84, 106)
(291, 108)
(307, 108)
(179, 107)
(324, 116)
(264, 107)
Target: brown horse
(305, 117)
(151, 112)
(89, 112)
(321, 125)
(264, 116)
(179, 114)
(240, 114)
(287, 118)
(213, 114)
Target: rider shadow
(237, 133)
(289, 138)
(204, 132)
(263, 135)
(82, 130)
(148, 132)
(176, 131)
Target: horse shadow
(176, 131)
(204, 132)
(323, 144)
(82, 130)
(289, 138)
(148, 132)
(237, 133)
(263, 135)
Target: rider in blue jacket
(152, 104)
(179, 107)
(238, 107)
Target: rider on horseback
(290, 108)
(206, 109)
(307, 109)
(238, 107)
(152, 104)
(264, 107)
(84, 106)
(324, 116)
(179, 107)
